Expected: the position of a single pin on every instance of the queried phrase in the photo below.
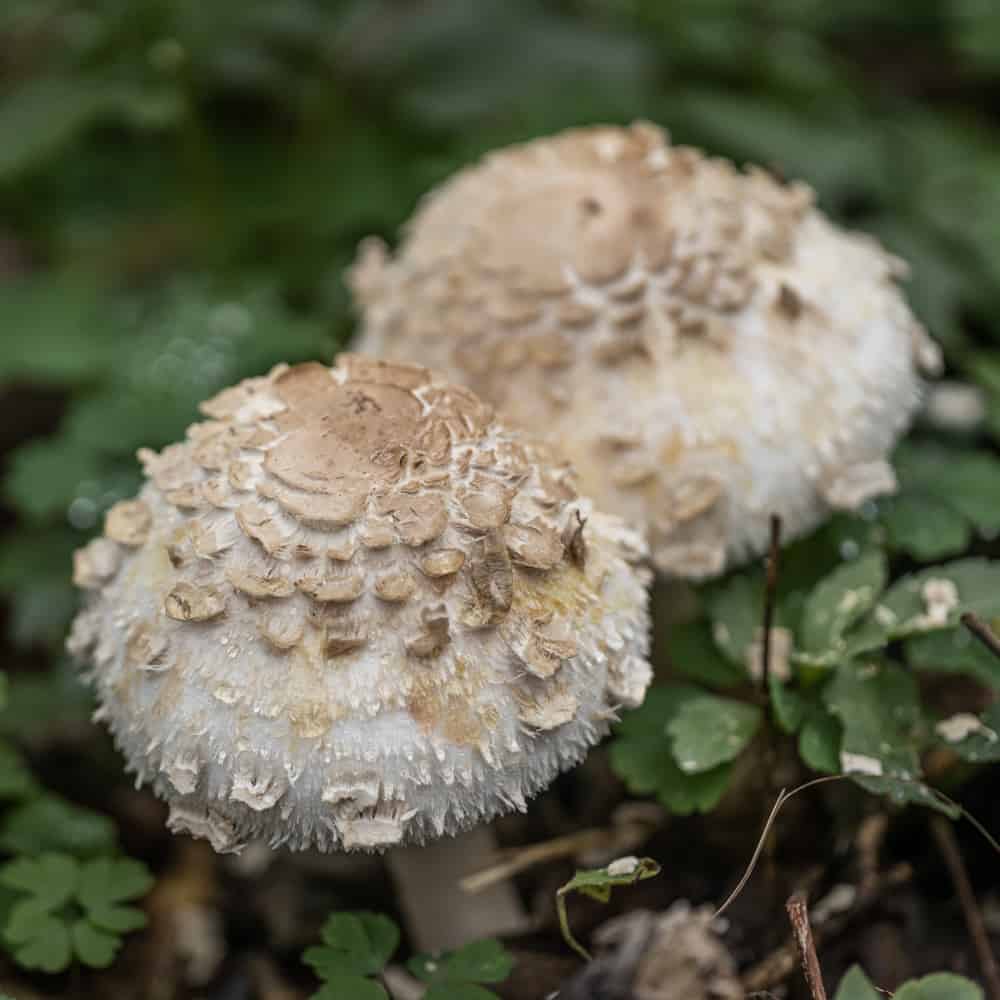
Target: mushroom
(703, 344)
(352, 611)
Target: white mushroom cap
(352, 610)
(703, 344)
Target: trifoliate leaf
(50, 879)
(93, 946)
(648, 769)
(706, 731)
(940, 986)
(839, 600)
(856, 986)
(484, 961)
(354, 944)
(924, 527)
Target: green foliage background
(182, 184)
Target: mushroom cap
(352, 610)
(704, 345)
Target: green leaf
(50, 823)
(954, 651)
(50, 879)
(856, 986)
(105, 881)
(879, 708)
(924, 527)
(707, 730)
(117, 919)
(940, 986)
(820, 741)
(94, 947)
(353, 944)
(695, 656)
(642, 756)
(788, 705)
(839, 600)
(970, 485)
(45, 945)
(736, 607)
(902, 609)
(598, 883)
(348, 987)
(484, 961)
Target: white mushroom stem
(439, 914)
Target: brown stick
(948, 845)
(780, 964)
(770, 592)
(798, 914)
(982, 632)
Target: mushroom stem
(439, 914)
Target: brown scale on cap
(350, 551)
(670, 322)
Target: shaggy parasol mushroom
(702, 343)
(353, 611)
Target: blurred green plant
(939, 986)
(848, 645)
(68, 910)
(357, 947)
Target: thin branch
(982, 632)
(770, 593)
(780, 963)
(798, 915)
(948, 845)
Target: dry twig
(948, 846)
(798, 914)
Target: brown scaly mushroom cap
(703, 344)
(352, 610)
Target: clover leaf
(355, 946)
(71, 909)
(458, 975)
